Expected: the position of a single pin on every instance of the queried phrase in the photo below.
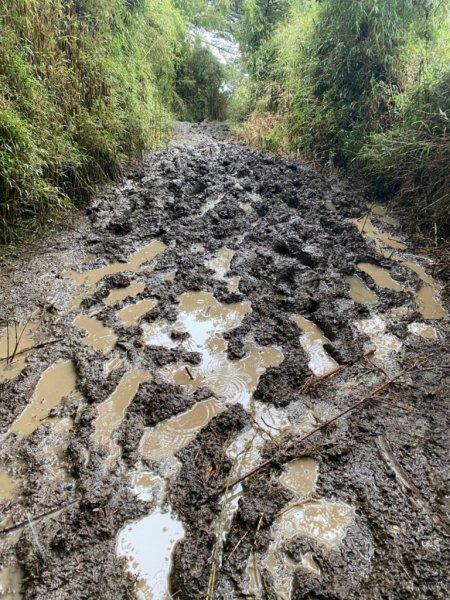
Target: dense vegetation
(85, 87)
(359, 86)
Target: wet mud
(162, 364)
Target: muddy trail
(227, 381)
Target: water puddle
(119, 294)
(381, 277)
(158, 334)
(11, 583)
(381, 213)
(233, 284)
(89, 279)
(170, 436)
(130, 315)
(147, 546)
(385, 343)
(312, 341)
(8, 487)
(428, 304)
(359, 292)
(423, 330)
(221, 263)
(234, 381)
(112, 411)
(147, 486)
(418, 270)
(300, 476)
(366, 227)
(15, 340)
(56, 383)
(97, 336)
(245, 206)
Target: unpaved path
(201, 319)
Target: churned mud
(228, 381)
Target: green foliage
(360, 85)
(85, 86)
(199, 83)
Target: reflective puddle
(89, 279)
(8, 487)
(359, 292)
(56, 383)
(312, 341)
(147, 546)
(130, 315)
(172, 435)
(112, 411)
(14, 340)
(381, 277)
(97, 336)
(119, 294)
(385, 343)
(423, 330)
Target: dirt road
(201, 320)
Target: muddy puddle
(86, 281)
(112, 411)
(152, 483)
(57, 382)
(17, 341)
(96, 335)
(312, 341)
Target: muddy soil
(199, 321)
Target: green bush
(85, 86)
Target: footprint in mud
(320, 520)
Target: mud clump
(230, 261)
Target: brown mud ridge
(201, 321)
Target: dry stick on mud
(353, 407)
(37, 347)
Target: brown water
(11, 583)
(300, 476)
(87, 280)
(112, 411)
(8, 487)
(130, 315)
(381, 213)
(172, 435)
(366, 227)
(428, 304)
(56, 383)
(14, 340)
(359, 292)
(98, 336)
(312, 341)
(381, 276)
(119, 294)
(147, 546)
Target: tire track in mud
(227, 303)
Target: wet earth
(227, 381)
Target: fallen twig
(36, 519)
(353, 407)
(37, 347)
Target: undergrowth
(85, 87)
